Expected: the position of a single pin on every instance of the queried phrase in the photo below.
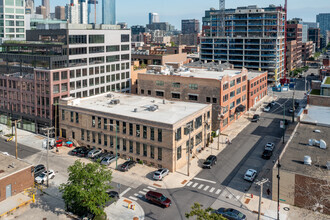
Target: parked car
(158, 198)
(312, 74)
(231, 214)
(114, 196)
(296, 104)
(83, 152)
(160, 174)
(250, 175)
(108, 160)
(267, 108)
(291, 110)
(210, 161)
(267, 154)
(39, 169)
(93, 153)
(270, 146)
(255, 118)
(43, 177)
(127, 165)
(75, 150)
(272, 103)
(286, 122)
(101, 156)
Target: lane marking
(142, 192)
(188, 184)
(200, 186)
(125, 191)
(206, 187)
(209, 181)
(212, 189)
(218, 191)
(135, 194)
(147, 190)
(149, 187)
(133, 198)
(195, 185)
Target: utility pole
(260, 183)
(293, 104)
(278, 187)
(116, 129)
(16, 135)
(283, 121)
(48, 129)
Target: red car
(158, 199)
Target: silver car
(93, 153)
(108, 160)
(160, 174)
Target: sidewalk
(120, 210)
(14, 202)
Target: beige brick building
(149, 129)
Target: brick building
(149, 129)
(294, 44)
(257, 87)
(293, 56)
(314, 34)
(15, 176)
(307, 50)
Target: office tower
(314, 34)
(153, 17)
(41, 10)
(60, 12)
(83, 12)
(77, 12)
(12, 25)
(190, 26)
(92, 8)
(324, 21)
(29, 6)
(46, 4)
(254, 38)
(109, 12)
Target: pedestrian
(268, 191)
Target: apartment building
(226, 90)
(253, 38)
(148, 129)
(257, 87)
(294, 45)
(307, 50)
(314, 34)
(190, 26)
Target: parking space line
(133, 198)
(135, 194)
(210, 181)
(147, 190)
(206, 187)
(149, 187)
(195, 185)
(141, 192)
(188, 184)
(212, 189)
(200, 186)
(125, 191)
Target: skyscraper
(324, 20)
(76, 12)
(60, 12)
(190, 26)
(153, 17)
(109, 12)
(46, 4)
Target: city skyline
(135, 13)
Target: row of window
(99, 69)
(190, 126)
(256, 90)
(93, 39)
(102, 89)
(234, 82)
(177, 85)
(257, 81)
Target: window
(198, 139)
(125, 57)
(232, 105)
(238, 101)
(189, 127)
(111, 125)
(124, 127)
(125, 47)
(225, 98)
(178, 153)
(113, 58)
(152, 133)
(160, 153)
(100, 138)
(244, 88)
(93, 121)
(160, 135)
(232, 83)
(149, 92)
(96, 49)
(137, 130)
(193, 97)
(71, 116)
(160, 93)
(137, 148)
(159, 83)
(193, 86)
(178, 134)
(93, 137)
(208, 115)
(56, 76)
(145, 150)
(88, 136)
(243, 97)
(176, 85)
(198, 122)
(64, 75)
(63, 115)
(176, 95)
(131, 147)
(208, 99)
(232, 94)
(105, 140)
(111, 141)
(238, 91)
(225, 122)
(124, 145)
(214, 100)
(99, 122)
(77, 117)
(125, 38)
(113, 48)
(238, 80)
(96, 39)
(82, 134)
(77, 39)
(152, 152)
(225, 86)
(130, 129)
(145, 132)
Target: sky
(173, 11)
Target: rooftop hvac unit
(135, 110)
(307, 160)
(153, 108)
(323, 144)
(328, 165)
(114, 101)
(109, 95)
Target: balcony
(255, 24)
(255, 30)
(254, 18)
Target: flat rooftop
(252, 75)
(318, 115)
(10, 165)
(293, 157)
(208, 74)
(169, 113)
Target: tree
(203, 214)
(86, 189)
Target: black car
(255, 118)
(83, 152)
(267, 154)
(312, 74)
(39, 169)
(210, 161)
(76, 150)
(127, 165)
(113, 197)
(231, 214)
(100, 156)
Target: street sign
(282, 124)
(282, 200)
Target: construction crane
(222, 26)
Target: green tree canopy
(203, 214)
(86, 189)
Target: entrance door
(8, 191)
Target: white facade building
(77, 12)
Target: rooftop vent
(152, 108)
(317, 131)
(307, 160)
(114, 102)
(135, 110)
(328, 165)
(323, 144)
(109, 95)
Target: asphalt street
(23, 151)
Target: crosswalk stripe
(188, 184)
(142, 192)
(238, 197)
(135, 194)
(206, 187)
(147, 190)
(218, 191)
(212, 189)
(230, 196)
(224, 194)
(195, 185)
(133, 198)
(149, 187)
(200, 186)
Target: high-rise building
(60, 12)
(190, 26)
(314, 34)
(77, 12)
(13, 17)
(29, 7)
(153, 17)
(109, 12)
(294, 45)
(46, 4)
(253, 38)
(41, 10)
(324, 21)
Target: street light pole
(261, 183)
(278, 187)
(293, 104)
(283, 121)
(16, 135)
(116, 129)
(188, 165)
(47, 129)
